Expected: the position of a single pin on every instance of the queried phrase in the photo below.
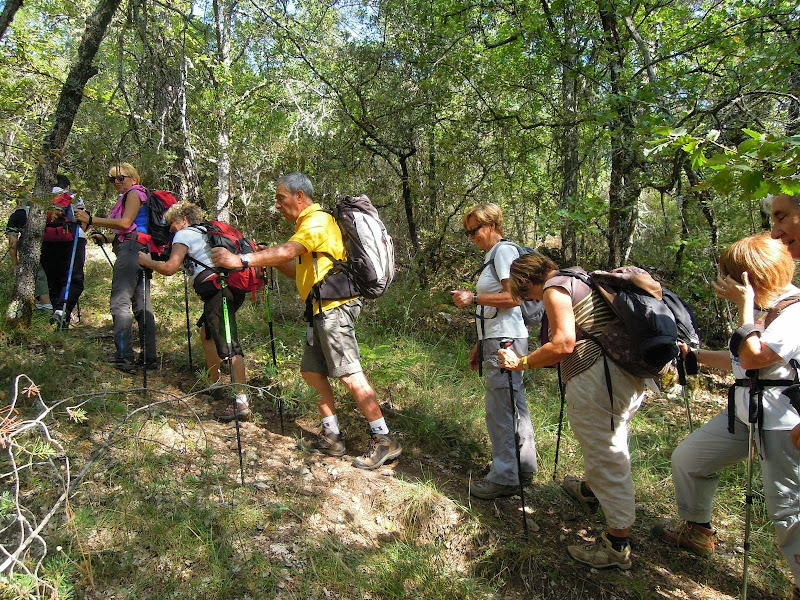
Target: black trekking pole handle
(506, 344)
(683, 368)
(560, 422)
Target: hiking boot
(686, 534)
(382, 447)
(43, 306)
(572, 485)
(227, 415)
(601, 555)
(126, 366)
(489, 490)
(218, 391)
(324, 443)
(152, 363)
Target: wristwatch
(245, 258)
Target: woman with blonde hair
(498, 317)
(128, 220)
(756, 275)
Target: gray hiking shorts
(331, 347)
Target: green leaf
(690, 146)
(698, 158)
(720, 159)
(748, 145)
(770, 149)
(790, 186)
(753, 134)
(724, 182)
(751, 181)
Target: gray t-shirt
(198, 249)
(498, 322)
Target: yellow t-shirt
(318, 232)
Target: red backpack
(224, 235)
(60, 224)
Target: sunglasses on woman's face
(116, 178)
(474, 230)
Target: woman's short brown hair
(126, 169)
(191, 212)
(485, 214)
(530, 269)
(768, 263)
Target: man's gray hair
(296, 181)
(766, 203)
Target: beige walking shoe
(572, 485)
(601, 555)
(687, 535)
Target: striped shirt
(592, 314)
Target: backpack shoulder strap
(776, 310)
(584, 277)
(490, 263)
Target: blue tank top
(141, 219)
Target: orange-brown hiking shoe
(686, 534)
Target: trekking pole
(751, 439)
(681, 366)
(560, 421)
(108, 258)
(188, 332)
(272, 346)
(226, 320)
(508, 344)
(145, 295)
(69, 281)
(78, 306)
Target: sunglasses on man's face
(116, 178)
(473, 231)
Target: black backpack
(650, 320)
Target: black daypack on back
(158, 202)
(650, 320)
(369, 266)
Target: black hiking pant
(55, 259)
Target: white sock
(242, 399)
(331, 424)
(379, 426)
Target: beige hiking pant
(606, 459)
